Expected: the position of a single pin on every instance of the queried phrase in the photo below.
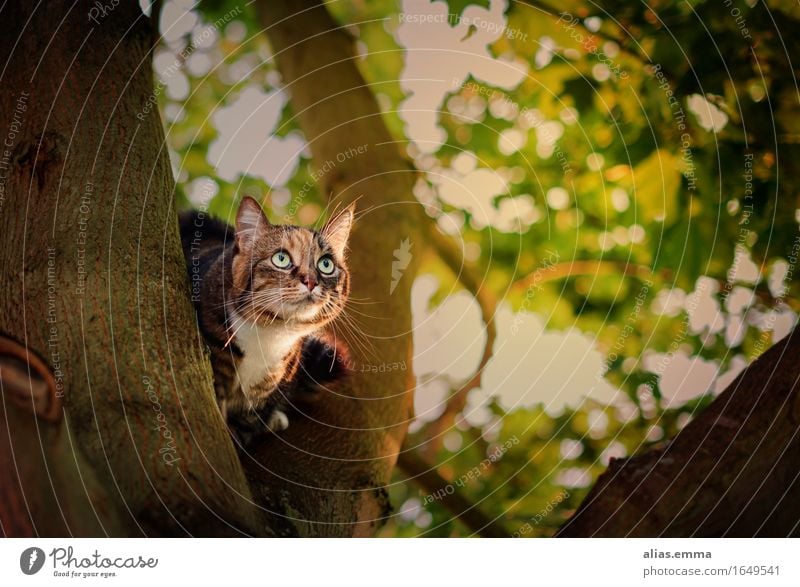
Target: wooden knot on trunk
(41, 157)
(27, 381)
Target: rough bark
(733, 471)
(87, 185)
(327, 474)
(52, 491)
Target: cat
(263, 294)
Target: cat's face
(295, 274)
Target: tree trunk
(94, 281)
(733, 471)
(326, 475)
(29, 505)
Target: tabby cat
(263, 296)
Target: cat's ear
(251, 223)
(337, 230)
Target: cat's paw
(277, 421)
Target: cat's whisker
(337, 207)
(365, 315)
(357, 303)
(363, 350)
(357, 299)
(357, 336)
(251, 300)
(249, 316)
(348, 319)
(242, 322)
(355, 312)
(335, 345)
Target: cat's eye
(281, 260)
(325, 265)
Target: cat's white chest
(264, 349)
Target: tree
(107, 329)
(95, 278)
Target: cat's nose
(308, 281)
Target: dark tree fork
(132, 386)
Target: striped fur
(264, 323)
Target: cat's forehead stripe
(321, 242)
(299, 237)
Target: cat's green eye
(281, 260)
(325, 265)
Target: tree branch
(469, 278)
(733, 471)
(326, 474)
(424, 474)
(597, 267)
(577, 267)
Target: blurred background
(622, 179)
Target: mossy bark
(93, 275)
